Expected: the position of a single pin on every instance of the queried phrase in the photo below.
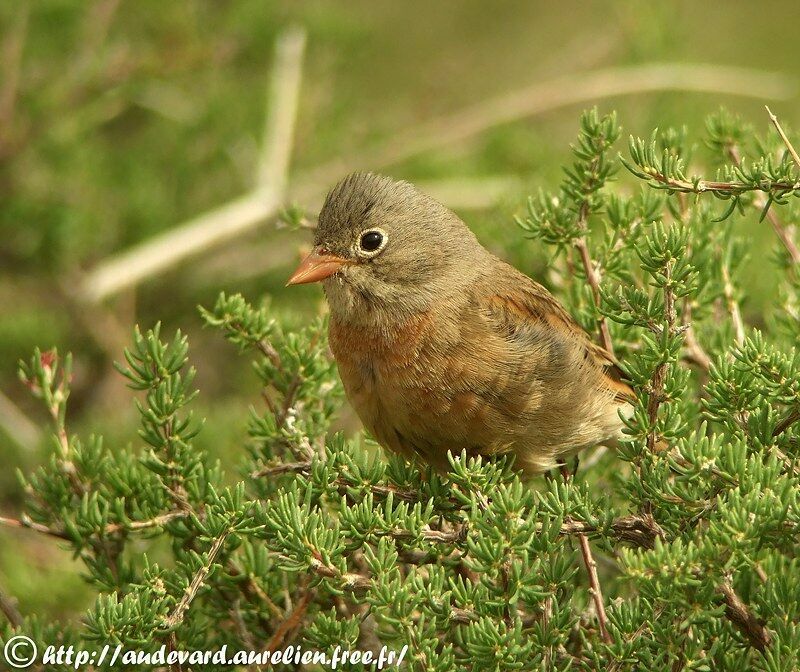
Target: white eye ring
(367, 253)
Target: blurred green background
(120, 119)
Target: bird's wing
(524, 309)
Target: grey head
(398, 248)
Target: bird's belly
(401, 414)
(408, 414)
(417, 400)
(414, 412)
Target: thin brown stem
(254, 592)
(654, 401)
(787, 422)
(113, 528)
(659, 379)
(789, 146)
(733, 187)
(594, 587)
(288, 399)
(341, 482)
(593, 278)
(136, 525)
(295, 618)
(350, 581)
(25, 523)
(198, 580)
(9, 609)
(282, 468)
(595, 591)
(743, 618)
(694, 352)
(268, 350)
(175, 480)
(784, 233)
(56, 407)
(244, 633)
(732, 304)
(638, 530)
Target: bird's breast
(378, 359)
(388, 373)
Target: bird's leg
(566, 472)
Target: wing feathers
(527, 305)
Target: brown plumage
(442, 346)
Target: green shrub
(324, 542)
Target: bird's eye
(371, 241)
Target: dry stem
(284, 94)
(594, 587)
(656, 391)
(744, 619)
(593, 279)
(594, 581)
(198, 234)
(694, 352)
(25, 522)
(789, 146)
(112, 528)
(244, 633)
(732, 304)
(136, 525)
(9, 609)
(197, 581)
(784, 233)
(292, 621)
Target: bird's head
(386, 244)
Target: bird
(442, 346)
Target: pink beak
(317, 266)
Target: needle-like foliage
(694, 521)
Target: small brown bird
(442, 346)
